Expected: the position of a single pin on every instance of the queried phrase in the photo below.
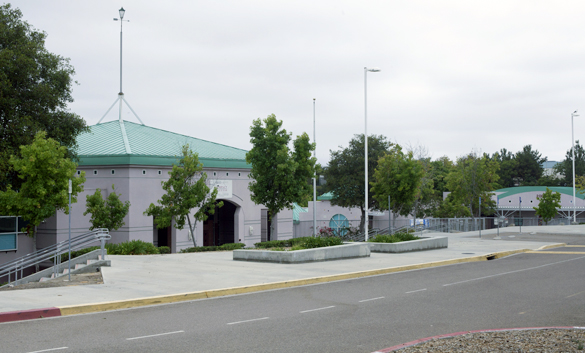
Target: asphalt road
(361, 315)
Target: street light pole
(374, 69)
(573, 114)
(315, 176)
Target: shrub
(301, 243)
(224, 247)
(395, 238)
(164, 250)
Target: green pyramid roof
(124, 142)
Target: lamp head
(373, 69)
(121, 11)
(574, 113)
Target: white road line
(367, 300)
(516, 271)
(418, 290)
(51, 349)
(240, 322)
(307, 311)
(159, 334)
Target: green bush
(395, 238)
(224, 247)
(300, 243)
(164, 250)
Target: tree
(529, 166)
(280, 176)
(345, 174)
(548, 205)
(565, 167)
(106, 214)
(44, 171)
(399, 176)
(185, 190)
(472, 178)
(35, 88)
(508, 171)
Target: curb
(29, 314)
(175, 298)
(450, 335)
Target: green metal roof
(124, 142)
(296, 210)
(522, 189)
(328, 196)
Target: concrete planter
(338, 252)
(412, 245)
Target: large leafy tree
(185, 190)
(345, 174)
(35, 88)
(565, 167)
(44, 171)
(399, 176)
(280, 176)
(508, 171)
(108, 213)
(549, 204)
(472, 178)
(529, 166)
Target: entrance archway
(219, 228)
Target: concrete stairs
(90, 262)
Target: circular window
(339, 224)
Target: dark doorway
(162, 236)
(218, 229)
(265, 225)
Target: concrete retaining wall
(346, 251)
(412, 245)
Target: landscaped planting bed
(405, 242)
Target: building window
(339, 224)
(95, 172)
(160, 172)
(113, 171)
(9, 228)
(143, 172)
(214, 173)
(227, 174)
(239, 174)
(79, 172)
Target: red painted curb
(414, 343)
(29, 314)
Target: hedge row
(395, 238)
(301, 243)
(228, 246)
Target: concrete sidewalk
(134, 280)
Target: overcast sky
(456, 76)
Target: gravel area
(76, 280)
(530, 340)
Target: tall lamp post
(373, 69)
(315, 177)
(573, 114)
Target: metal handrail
(54, 252)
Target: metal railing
(54, 252)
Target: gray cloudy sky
(456, 75)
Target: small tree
(106, 214)
(399, 176)
(280, 175)
(548, 205)
(185, 190)
(45, 172)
